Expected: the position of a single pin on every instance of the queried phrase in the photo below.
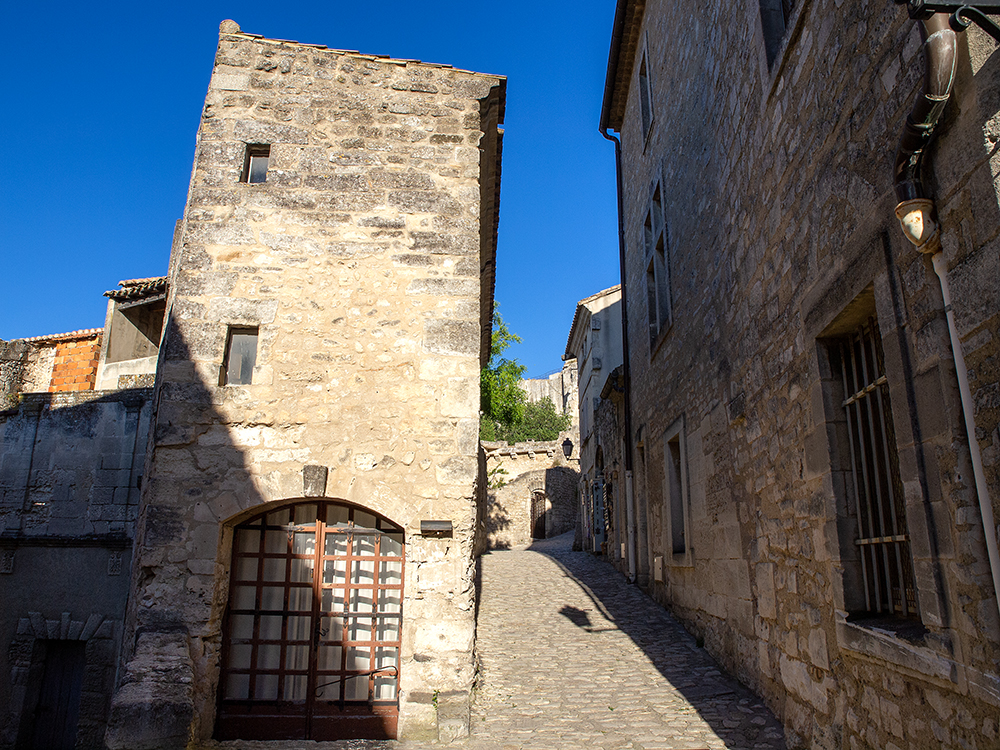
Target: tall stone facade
(329, 310)
(793, 383)
(71, 465)
(595, 346)
(561, 388)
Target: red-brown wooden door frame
(313, 624)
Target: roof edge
(230, 28)
(628, 16)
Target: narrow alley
(573, 656)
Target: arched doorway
(538, 514)
(312, 629)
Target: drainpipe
(626, 373)
(916, 211)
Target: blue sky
(103, 101)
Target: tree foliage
(541, 421)
(501, 399)
(506, 412)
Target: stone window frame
(847, 460)
(676, 497)
(226, 376)
(251, 154)
(770, 72)
(840, 295)
(644, 85)
(656, 260)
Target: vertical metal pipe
(940, 44)
(985, 503)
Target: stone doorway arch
(54, 664)
(539, 513)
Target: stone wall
(519, 474)
(65, 362)
(560, 388)
(364, 263)
(778, 201)
(13, 355)
(70, 467)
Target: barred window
(882, 543)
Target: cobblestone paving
(574, 657)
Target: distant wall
(517, 474)
(70, 466)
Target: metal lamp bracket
(962, 14)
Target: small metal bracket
(962, 14)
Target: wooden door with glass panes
(312, 629)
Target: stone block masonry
(362, 265)
(764, 149)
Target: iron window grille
(882, 542)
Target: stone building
(313, 495)
(595, 345)
(71, 467)
(532, 491)
(298, 402)
(814, 507)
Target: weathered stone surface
(772, 178)
(364, 389)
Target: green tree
(501, 399)
(541, 421)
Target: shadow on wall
(195, 661)
(70, 468)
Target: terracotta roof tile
(138, 288)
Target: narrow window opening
(255, 163)
(673, 459)
(658, 298)
(645, 97)
(241, 356)
(774, 17)
(882, 543)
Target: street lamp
(567, 446)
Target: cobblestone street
(572, 656)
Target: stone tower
(304, 563)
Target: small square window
(241, 356)
(255, 163)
